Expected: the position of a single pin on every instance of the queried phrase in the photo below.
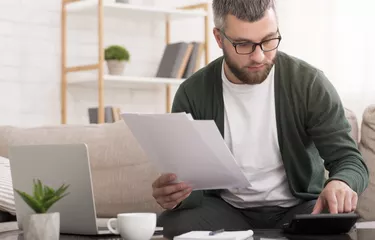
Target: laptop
(55, 165)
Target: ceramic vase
(42, 226)
(115, 67)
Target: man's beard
(246, 76)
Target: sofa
(122, 175)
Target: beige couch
(122, 175)
(367, 147)
(364, 134)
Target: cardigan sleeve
(330, 131)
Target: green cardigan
(313, 132)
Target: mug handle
(109, 226)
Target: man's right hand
(167, 193)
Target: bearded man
(283, 121)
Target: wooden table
(17, 235)
(10, 231)
(364, 231)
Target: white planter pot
(42, 226)
(115, 67)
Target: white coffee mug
(134, 226)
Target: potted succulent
(42, 225)
(116, 56)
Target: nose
(258, 55)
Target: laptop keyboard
(102, 224)
(101, 228)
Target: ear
(218, 37)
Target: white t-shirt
(251, 135)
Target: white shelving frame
(101, 8)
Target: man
(283, 122)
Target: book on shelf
(111, 114)
(180, 59)
(194, 60)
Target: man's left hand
(338, 197)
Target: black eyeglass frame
(234, 44)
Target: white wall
(337, 37)
(29, 63)
(329, 34)
(30, 60)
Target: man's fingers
(318, 208)
(172, 204)
(354, 201)
(169, 205)
(183, 197)
(348, 203)
(168, 190)
(163, 180)
(340, 198)
(168, 194)
(176, 196)
(332, 202)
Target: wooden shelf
(122, 10)
(112, 81)
(110, 9)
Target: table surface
(356, 234)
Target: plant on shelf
(42, 224)
(116, 56)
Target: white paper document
(205, 235)
(194, 150)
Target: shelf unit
(114, 81)
(101, 8)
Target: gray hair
(246, 10)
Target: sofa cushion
(353, 121)
(366, 201)
(122, 175)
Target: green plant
(43, 197)
(116, 52)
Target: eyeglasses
(244, 48)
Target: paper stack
(204, 235)
(194, 150)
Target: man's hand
(167, 193)
(338, 197)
